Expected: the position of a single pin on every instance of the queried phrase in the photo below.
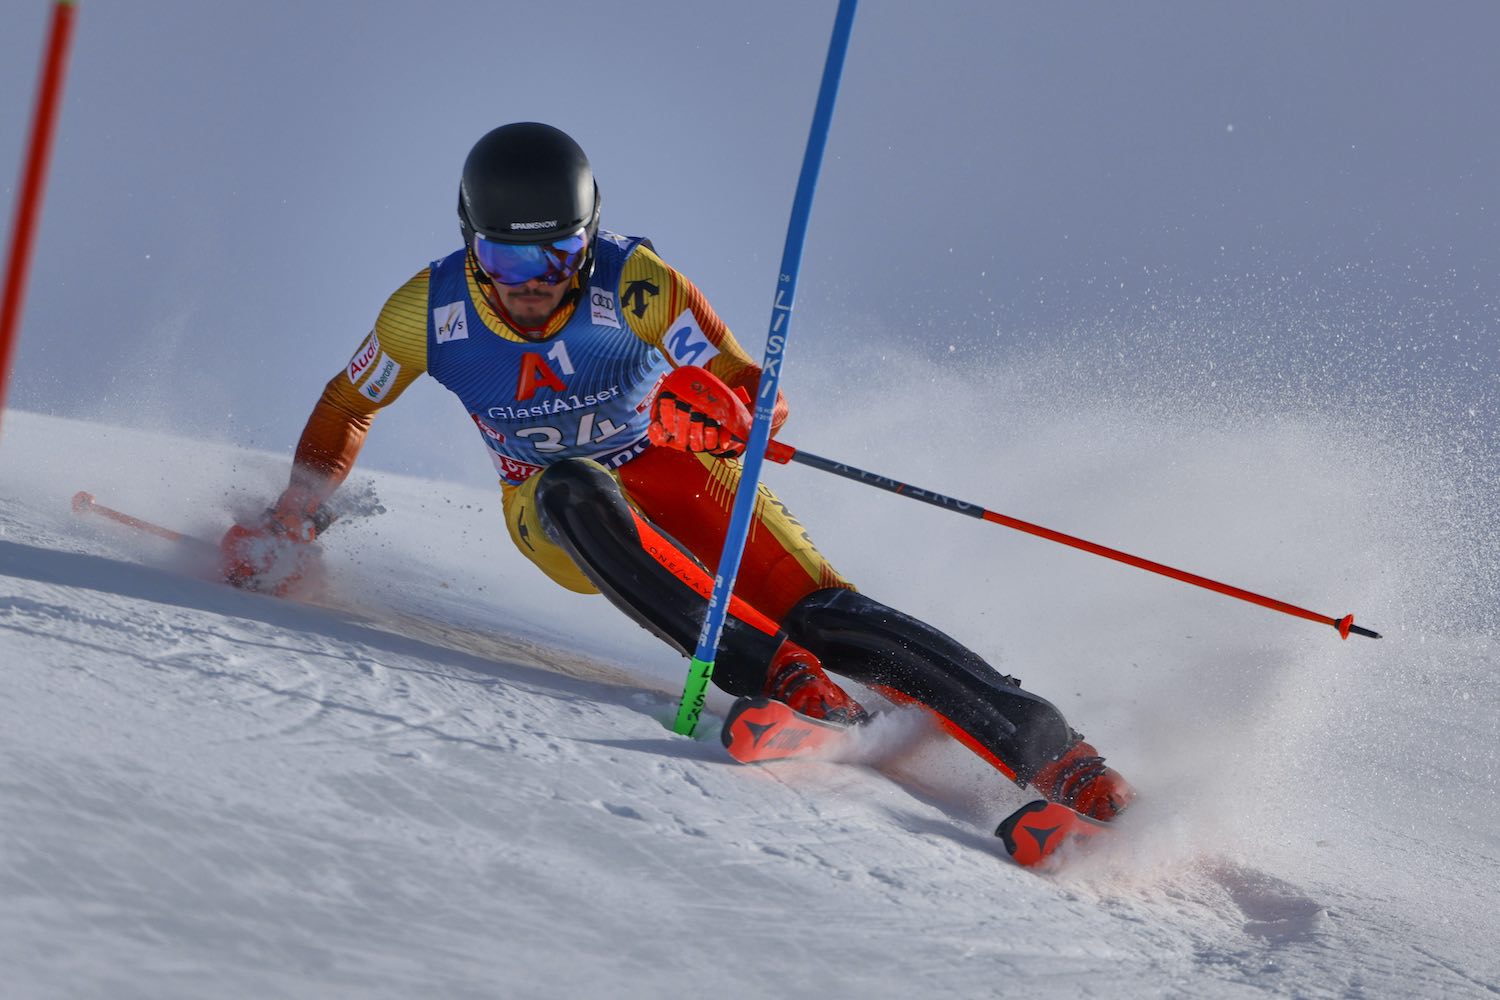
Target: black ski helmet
(528, 183)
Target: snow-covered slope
(443, 776)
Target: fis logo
(449, 322)
(363, 358)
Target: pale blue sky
(237, 187)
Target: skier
(558, 337)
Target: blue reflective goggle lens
(518, 263)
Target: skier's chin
(530, 309)
(530, 317)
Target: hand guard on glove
(695, 411)
(273, 554)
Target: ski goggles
(517, 263)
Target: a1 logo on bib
(449, 322)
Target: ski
(758, 730)
(1038, 829)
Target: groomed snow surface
(437, 774)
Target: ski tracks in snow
(333, 801)
(210, 793)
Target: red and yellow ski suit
(563, 412)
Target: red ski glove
(273, 554)
(695, 411)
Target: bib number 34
(591, 430)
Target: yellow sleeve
(388, 360)
(393, 354)
(668, 311)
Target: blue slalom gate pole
(701, 667)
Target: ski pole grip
(780, 453)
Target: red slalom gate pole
(33, 182)
(783, 453)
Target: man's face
(531, 303)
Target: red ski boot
(1078, 779)
(796, 678)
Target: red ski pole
(778, 452)
(84, 503)
(29, 195)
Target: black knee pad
(584, 511)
